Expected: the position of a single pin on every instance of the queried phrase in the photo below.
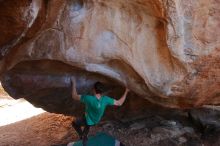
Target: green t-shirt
(95, 107)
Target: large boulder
(165, 51)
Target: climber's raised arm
(122, 99)
(75, 95)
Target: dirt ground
(21, 124)
(148, 128)
(48, 129)
(41, 130)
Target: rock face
(167, 52)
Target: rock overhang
(153, 47)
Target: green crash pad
(100, 139)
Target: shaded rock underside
(165, 51)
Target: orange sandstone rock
(166, 52)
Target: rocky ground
(170, 128)
(148, 127)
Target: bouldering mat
(100, 139)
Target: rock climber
(95, 106)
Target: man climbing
(94, 108)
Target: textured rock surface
(166, 51)
(206, 119)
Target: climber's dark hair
(98, 87)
